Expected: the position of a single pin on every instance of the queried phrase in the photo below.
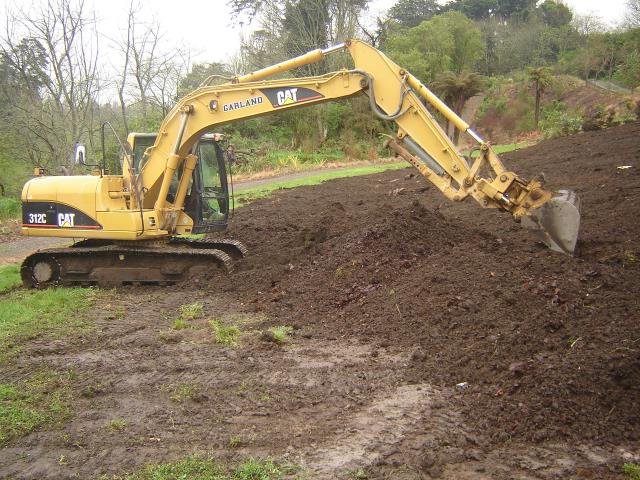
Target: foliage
(39, 400)
(204, 74)
(446, 42)
(555, 13)
(9, 208)
(633, 13)
(25, 315)
(556, 121)
(504, 10)
(541, 79)
(410, 13)
(456, 89)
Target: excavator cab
(207, 201)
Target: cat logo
(287, 97)
(66, 220)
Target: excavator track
(96, 262)
(234, 248)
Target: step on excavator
(133, 228)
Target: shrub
(557, 122)
(9, 208)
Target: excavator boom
(394, 95)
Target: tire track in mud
(383, 423)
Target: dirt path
(16, 250)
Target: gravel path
(16, 251)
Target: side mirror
(80, 154)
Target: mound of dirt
(548, 344)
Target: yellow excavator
(131, 226)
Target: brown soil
(396, 296)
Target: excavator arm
(394, 95)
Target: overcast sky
(206, 28)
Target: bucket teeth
(556, 223)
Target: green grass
(281, 333)
(191, 311)
(246, 195)
(257, 470)
(25, 315)
(40, 400)
(187, 313)
(225, 334)
(198, 467)
(9, 277)
(184, 392)
(115, 426)
(9, 208)
(632, 470)
(291, 160)
(180, 324)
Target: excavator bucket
(556, 223)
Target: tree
(541, 79)
(633, 13)
(64, 60)
(456, 89)
(503, 10)
(587, 24)
(204, 73)
(150, 72)
(446, 42)
(554, 13)
(410, 13)
(476, 10)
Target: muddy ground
(396, 296)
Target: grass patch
(258, 470)
(191, 311)
(9, 208)
(198, 467)
(225, 334)
(25, 315)
(187, 313)
(115, 426)
(9, 277)
(281, 333)
(632, 470)
(40, 400)
(247, 195)
(184, 392)
(180, 324)
(359, 474)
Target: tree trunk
(537, 106)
